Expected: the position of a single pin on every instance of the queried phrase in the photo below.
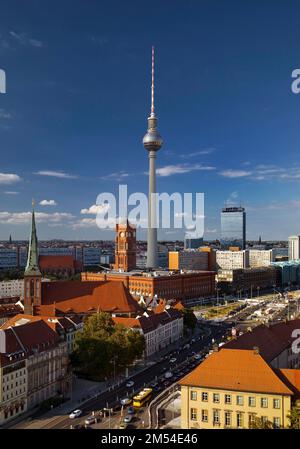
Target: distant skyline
(78, 97)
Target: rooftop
(237, 370)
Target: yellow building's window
(239, 400)
(227, 398)
(216, 397)
(251, 401)
(204, 415)
(216, 417)
(276, 423)
(193, 414)
(239, 420)
(276, 403)
(264, 402)
(204, 397)
(193, 395)
(251, 420)
(227, 418)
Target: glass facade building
(233, 227)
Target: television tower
(152, 142)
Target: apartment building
(160, 328)
(34, 366)
(188, 260)
(12, 289)
(232, 388)
(261, 258)
(232, 260)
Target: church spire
(32, 267)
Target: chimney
(256, 350)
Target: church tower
(32, 274)
(125, 249)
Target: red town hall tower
(32, 274)
(125, 250)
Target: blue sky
(78, 97)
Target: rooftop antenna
(152, 85)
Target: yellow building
(232, 388)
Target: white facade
(163, 336)
(294, 247)
(261, 258)
(232, 260)
(9, 289)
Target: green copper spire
(32, 267)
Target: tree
(103, 348)
(189, 318)
(260, 423)
(294, 418)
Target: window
(276, 423)
(216, 417)
(239, 420)
(251, 401)
(216, 397)
(227, 418)
(227, 398)
(193, 414)
(276, 403)
(204, 397)
(193, 395)
(204, 416)
(251, 420)
(239, 400)
(264, 402)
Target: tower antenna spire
(152, 85)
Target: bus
(142, 397)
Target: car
(197, 357)
(90, 420)
(75, 414)
(128, 419)
(123, 425)
(173, 360)
(125, 401)
(129, 384)
(76, 426)
(131, 410)
(153, 384)
(168, 375)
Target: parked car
(197, 357)
(173, 360)
(129, 384)
(75, 414)
(128, 419)
(168, 375)
(131, 410)
(153, 384)
(123, 425)
(125, 401)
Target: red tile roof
(130, 323)
(85, 297)
(236, 370)
(22, 341)
(271, 340)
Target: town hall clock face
(122, 234)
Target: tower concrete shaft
(152, 259)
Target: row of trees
(104, 348)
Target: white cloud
(55, 174)
(197, 153)
(11, 192)
(85, 223)
(48, 203)
(26, 41)
(9, 178)
(41, 217)
(170, 170)
(116, 176)
(5, 114)
(235, 173)
(95, 209)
